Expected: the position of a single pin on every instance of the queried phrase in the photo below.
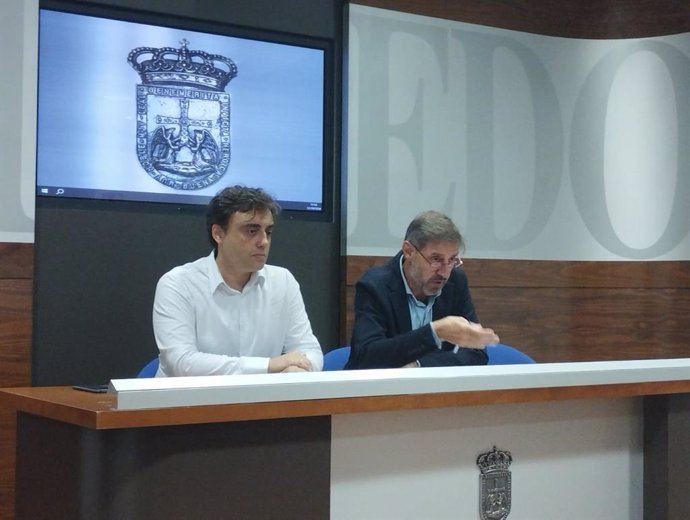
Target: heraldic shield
(495, 484)
(183, 115)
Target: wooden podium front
(339, 454)
(69, 466)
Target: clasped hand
(291, 362)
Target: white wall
(539, 147)
(19, 44)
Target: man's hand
(457, 330)
(294, 359)
(293, 368)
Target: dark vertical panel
(274, 469)
(679, 457)
(40, 440)
(666, 456)
(96, 272)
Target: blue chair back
(332, 360)
(500, 354)
(149, 369)
(336, 359)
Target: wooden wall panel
(585, 19)
(573, 311)
(584, 324)
(16, 272)
(546, 273)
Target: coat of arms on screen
(183, 114)
(495, 480)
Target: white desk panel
(135, 394)
(572, 460)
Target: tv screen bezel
(204, 25)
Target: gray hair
(432, 226)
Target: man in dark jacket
(416, 310)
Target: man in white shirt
(229, 312)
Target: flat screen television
(137, 111)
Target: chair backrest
(336, 359)
(332, 360)
(150, 369)
(500, 354)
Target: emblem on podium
(495, 481)
(183, 114)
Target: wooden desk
(78, 456)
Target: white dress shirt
(203, 327)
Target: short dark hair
(237, 199)
(432, 226)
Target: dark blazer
(382, 336)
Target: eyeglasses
(436, 262)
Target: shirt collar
(215, 279)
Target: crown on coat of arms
(494, 460)
(184, 67)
